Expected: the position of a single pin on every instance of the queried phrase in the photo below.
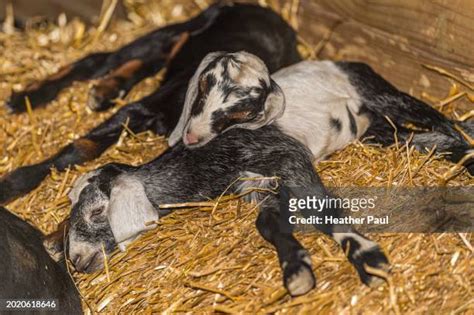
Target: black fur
(381, 100)
(27, 270)
(373, 258)
(183, 174)
(336, 124)
(352, 122)
(219, 28)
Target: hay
(189, 262)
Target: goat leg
(126, 66)
(295, 261)
(41, 92)
(361, 252)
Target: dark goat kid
(27, 270)
(179, 47)
(112, 204)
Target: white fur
(301, 282)
(366, 245)
(191, 95)
(129, 210)
(315, 92)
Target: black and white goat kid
(112, 205)
(324, 104)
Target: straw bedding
(195, 261)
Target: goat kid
(112, 204)
(27, 270)
(324, 104)
(179, 47)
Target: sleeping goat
(111, 205)
(323, 104)
(178, 47)
(27, 270)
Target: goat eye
(251, 115)
(95, 214)
(257, 91)
(241, 115)
(203, 85)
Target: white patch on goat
(79, 185)
(316, 92)
(233, 68)
(83, 249)
(249, 71)
(191, 95)
(129, 210)
(201, 124)
(254, 181)
(366, 245)
(303, 280)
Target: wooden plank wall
(396, 37)
(87, 10)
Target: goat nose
(191, 138)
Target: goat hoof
(97, 101)
(373, 258)
(101, 96)
(15, 105)
(298, 276)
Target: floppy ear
(274, 104)
(273, 108)
(191, 95)
(79, 185)
(129, 209)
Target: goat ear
(274, 104)
(79, 185)
(273, 108)
(129, 209)
(191, 95)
